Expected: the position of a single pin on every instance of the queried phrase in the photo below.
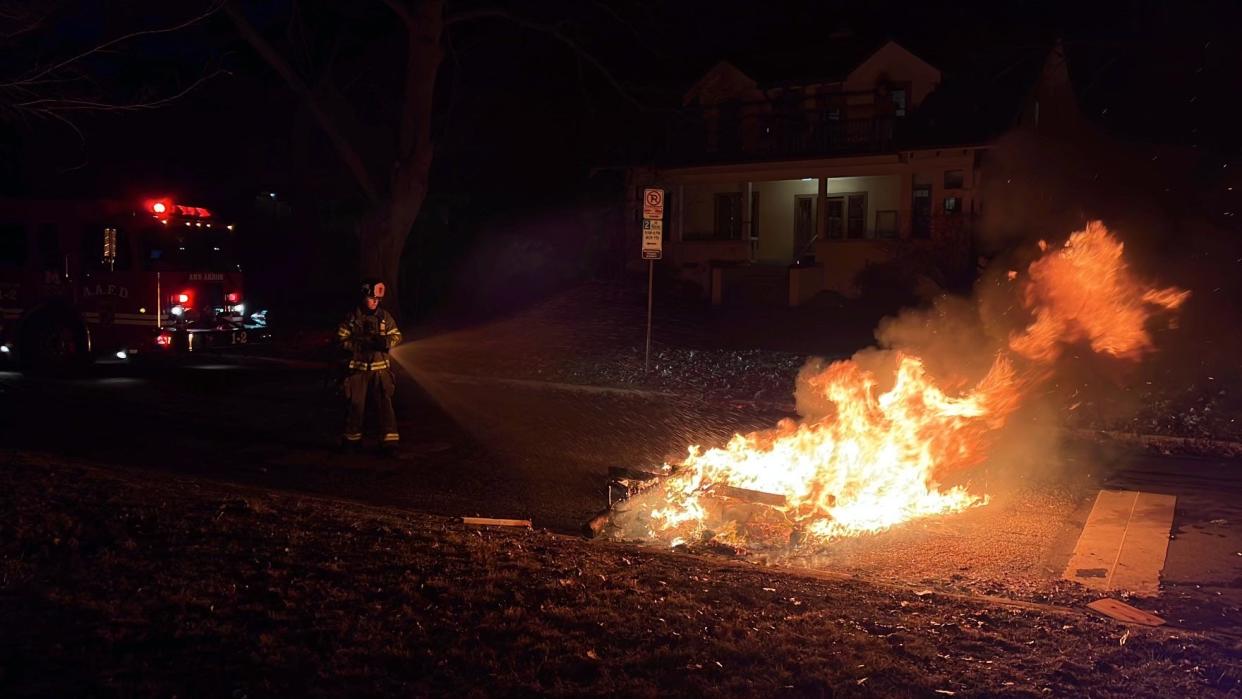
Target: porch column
(748, 230)
(821, 210)
(679, 229)
(905, 205)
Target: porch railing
(717, 136)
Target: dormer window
(899, 101)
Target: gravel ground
(593, 335)
(144, 585)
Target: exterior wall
(887, 180)
(883, 193)
(894, 63)
(930, 167)
(805, 283)
(842, 260)
(723, 83)
(775, 222)
(776, 217)
(699, 208)
(693, 261)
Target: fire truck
(85, 279)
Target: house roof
(976, 106)
(827, 62)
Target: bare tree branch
(212, 9)
(549, 30)
(66, 104)
(25, 20)
(639, 36)
(346, 150)
(401, 11)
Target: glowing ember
(874, 459)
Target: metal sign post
(653, 249)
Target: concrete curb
(1164, 444)
(555, 385)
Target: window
(192, 251)
(847, 216)
(886, 224)
(836, 217)
(12, 245)
(97, 243)
(899, 102)
(952, 206)
(921, 213)
(728, 221)
(856, 216)
(954, 179)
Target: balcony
(724, 135)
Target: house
(795, 185)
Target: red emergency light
(183, 297)
(164, 207)
(160, 207)
(233, 297)
(193, 211)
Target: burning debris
(879, 434)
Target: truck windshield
(196, 250)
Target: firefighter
(368, 332)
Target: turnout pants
(378, 385)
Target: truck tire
(53, 343)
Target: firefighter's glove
(379, 343)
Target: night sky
(522, 118)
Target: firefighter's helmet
(373, 289)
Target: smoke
(907, 428)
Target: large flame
(1085, 292)
(874, 460)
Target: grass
(120, 584)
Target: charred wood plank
(747, 495)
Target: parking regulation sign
(653, 239)
(653, 202)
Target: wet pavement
(468, 447)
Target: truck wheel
(54, 344)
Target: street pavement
(468, 447)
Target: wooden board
(747, 495)
(494, 522)
(1124, 613)
(1124, 543)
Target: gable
(724, 82)
(892, 62)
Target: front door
(804, 225)
(921, 216)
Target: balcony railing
(717, 136)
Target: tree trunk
(411, 168)
(382, 238)
(392, 210)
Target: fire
(1085, 291)
(876, 458)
